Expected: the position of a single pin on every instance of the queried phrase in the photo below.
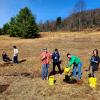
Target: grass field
(23, 81)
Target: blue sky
(42, 9)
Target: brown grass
(24, 79)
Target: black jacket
(55, 57)
(94, 62)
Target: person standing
(15, 56)
(56, 61)
(77, 65)
(94, 62)
(45, 58)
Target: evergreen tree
(59, 23)
(5, 28)
(13, 27)
(23, 25)
(0, 31)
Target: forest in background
(24, 23)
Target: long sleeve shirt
(45, 57)
(94, 61)
(74, 60)
(55, 57)
(15, 52)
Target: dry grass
(32, 87)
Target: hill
(23, 81)
(85, 20)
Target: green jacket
(74, 60)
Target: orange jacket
(45, 57)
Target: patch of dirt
(3, 87)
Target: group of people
(45, 58)
(6, 58)
(75, 63)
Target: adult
(5, 57)
(56, 61)
(94, 63)
(77, 65)
(45, 58)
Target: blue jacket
(55, 57)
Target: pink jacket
(45, 57)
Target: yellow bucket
(92, 82)
(66, 70)
(51, 80)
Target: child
(15, 57)
(94, 62)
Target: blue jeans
(79, 68)
(45, 71)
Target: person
(94, 63)
(77, 65)
(56, 61)
(15, 57)
(45, 58)
(5, 57)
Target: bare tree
(78, 9)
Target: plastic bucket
(92, 82)
(51, 80)
(66, 70)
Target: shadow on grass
(23, 60)
(6, 64)
(34, 37)
(56, 72)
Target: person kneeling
(5, 57)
